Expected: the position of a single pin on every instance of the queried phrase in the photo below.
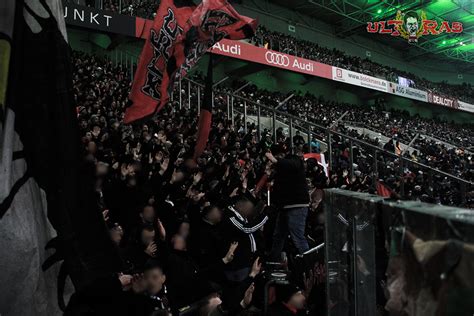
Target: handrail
(327, 130)
(422, 133)
(363, 125)
(310, 251)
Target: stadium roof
(351, 17)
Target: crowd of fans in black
(198, 235)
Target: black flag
(46, 190)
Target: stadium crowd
(140, 8)
(398, 125)
(199, 234)
(195, 235)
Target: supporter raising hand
(247, 300)
(230, 253)
(161, 229)
(151, 249)
(256, 268)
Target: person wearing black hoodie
(290, 195)
(241, 227)
(187, 281)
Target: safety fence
(407, 258)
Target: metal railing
(312, 128)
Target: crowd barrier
(408, 258)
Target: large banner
(352, 77)
(407, 92)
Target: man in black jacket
(205, 242)
(239, 228)
(155, 288)
(290, 195)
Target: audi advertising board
(358, 79)
(271, 58)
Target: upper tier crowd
(310, 50)
(306, 49)
(394, 124)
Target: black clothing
(136, 255)
(290, 187)
(106, 297)
(184, 279)
(235, 228)
(158, 301)
(207, 240)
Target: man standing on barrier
(290, 195)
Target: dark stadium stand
(199, 165)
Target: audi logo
(277, 59)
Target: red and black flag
(181, 34)
(154, 78)
(47, 197)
